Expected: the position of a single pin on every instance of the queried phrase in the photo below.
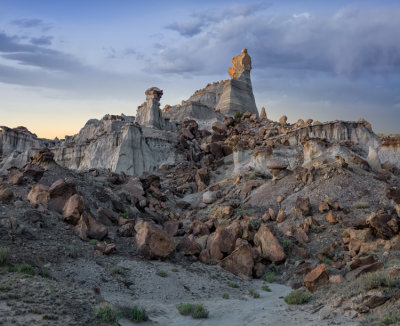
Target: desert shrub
(297, 297)
(376, 280)
(238, 115)
(4, 255)
(45, 272)
(326, 260)
(50, 317)
(225, 296)
(184, 308)
(255, 224)
(71, 251)
(254, 293)
(195, 310)
(233, 285)
(137, 314)
(162, 273)
(106, 313)
(266, 288)
(24, 268)
(175, 270)
(391, 318)
(199, 311)
(287, 245)
(93, 241)
(270, 277)
(123, 214)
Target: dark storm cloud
(200, 20)
(36, 55)
(350, 42)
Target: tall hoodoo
(237, 95)
(149, 114)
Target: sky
(65, 62)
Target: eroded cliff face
(17, 145)
(390, 150)
(118, 146)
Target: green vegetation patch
(297, 297)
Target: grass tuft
(297, 297)
(233, 285)
(270, 277)
(162, 273)
(24, 268)
(225, 295)
(137, 314)
(106, 313)
(266, 288)
(254, 293)
(195, 310)
(4, 255)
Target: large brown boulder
(269, 245)
(60, 191)
(379, 224)
(240, 262)
(363, 269)
(219, 127)
(188, 247)
(88, 227)
(316, 278)
(6, 195)
(152, 241)
(202, 179)
(74, 208)
(221, 242)
(303, 205)
(39, 194)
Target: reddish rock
(323, 207)
(110, 248)
(60, 191)
(336, 278)
(303, 205)
(361, 261)
(88, 227)
(281, 216)
(188, 247)
(218, 127)
(6, 195)
(220, 242)
(106, 216)
(270, 247)
(379, 224)
(172, 227)
(126, 230)
(73, 209)
(153, 242)
(240, 262)
(316, 278)
(39, 195)
(330, 218)
(300, 252)
(16, 178)
(301, 235)
(362, 270)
